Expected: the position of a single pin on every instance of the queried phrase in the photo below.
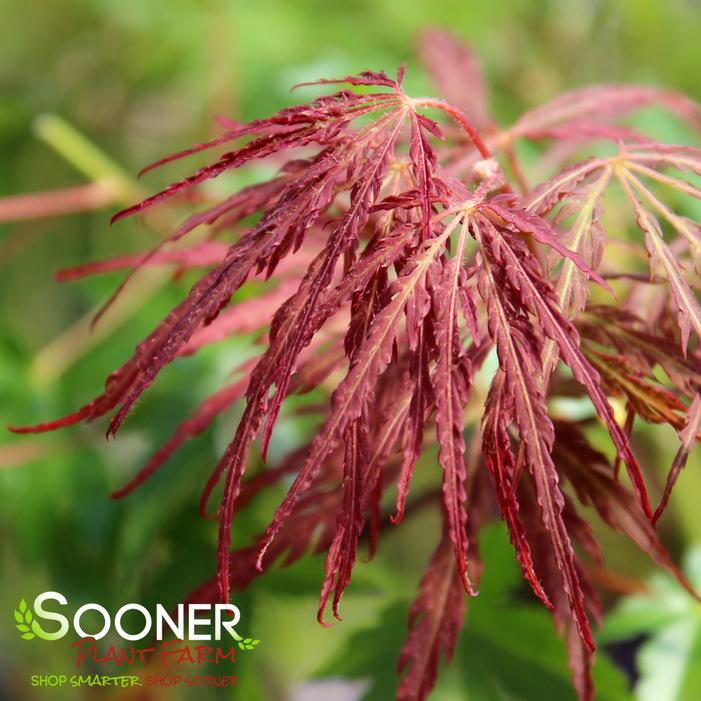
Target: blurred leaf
(669, 660)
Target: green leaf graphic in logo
(28, 626)
(246, 643)
(24, 618)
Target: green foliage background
(142, 78)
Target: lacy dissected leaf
(500, 460)
(419, 332)
(358, 385)
(689, 435)
(358, 467)
(298, 126)
(518, 351)
(451, 386)
(586, 238)
(343, 549)
(285, 331)
(581, 187)
(543, 197)
(423, 159)
(365, 190)
(688, 309)
(510, 265)
(434, 622)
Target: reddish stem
(461, 119)
(52, 203)
(516, 168)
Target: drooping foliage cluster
(409, 261)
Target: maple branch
(371, 293)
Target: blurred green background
(140, 79)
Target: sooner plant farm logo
(198, 622)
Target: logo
(200, 622)
(25, 623)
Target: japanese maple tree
(406, 244)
